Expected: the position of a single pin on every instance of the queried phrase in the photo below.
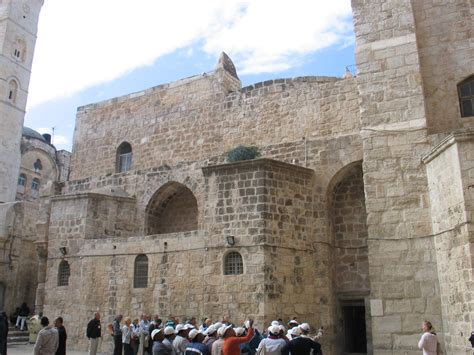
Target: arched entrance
(172, 209)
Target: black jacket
(62, 341)
(93, 329)
(471, 339)
(301, 346)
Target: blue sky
(153, 43)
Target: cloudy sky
(92, 50)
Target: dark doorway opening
(355, 336)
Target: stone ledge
(455, 137)
(265, 162)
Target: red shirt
(232, 344)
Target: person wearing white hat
(299, 345)
(196, 347)
(219, 343)
(211, 336)
(158, 348)
(273, 344)
(169, 334)
(181, 341)
(305, 328)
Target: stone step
(17, 339)
(17, 332)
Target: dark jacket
(3, 335)
(471, 339)
(24, 310)
(62, 341)
(93, 329)
(301, 346)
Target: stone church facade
(357, 216)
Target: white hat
(305, 327)
(239, 331)
(189, 326)
(282, 327)
(275, 322)
(295, 331)
(274, 329)
(169, 330)
(223, 329)
(192, 334)
(154, 332)
(217, 325)
(211, 330)
(180, 327)
(293, 321)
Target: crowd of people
(155, 337)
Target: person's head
(44, 321)
(228, 332)
(58, 322)
(119, 318)
(427, 326)
(97, 315)
(207, 322)
(157, 335)
(169, 333)
(239, 331)
(136, 321)
(128, 321)
(274, 330)
(196, 336)
(226, 319)
(158, 320)
(305, 328)
(292, 323)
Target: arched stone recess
(349, 239)
(173, 208)
(348, 226)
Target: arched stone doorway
(172, 209)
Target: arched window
(140, 274)
(124, 157)
(35, 184)
(63, 273)
(12, 90)
(21, 183)
(466, 97)
(233, 264)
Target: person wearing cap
(219, 343)
(211, 336)
(181, 341)
(273, 344)
(305, 328)
(299, 345)
(232, 343)
(196, 347)
(155, 324)
(169, 334)
(158, 348)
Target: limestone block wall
(196, 119)
(444, 33)
(450, 169)
(18, 261)
(402, 261)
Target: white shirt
(428, 343)
(272, 346)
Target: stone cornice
(455, 137)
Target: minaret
(18, 27)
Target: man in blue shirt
(196, 347)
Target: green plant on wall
(241, 152)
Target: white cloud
(86, 42)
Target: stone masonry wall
(402, 261)
(195, 119)
(444, 31)
(450, 170)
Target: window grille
(63, 273)
(140, 277)
(466, 97)
(233, 264)
(124, 157)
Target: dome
(31, 133)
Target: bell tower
(18, 27)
